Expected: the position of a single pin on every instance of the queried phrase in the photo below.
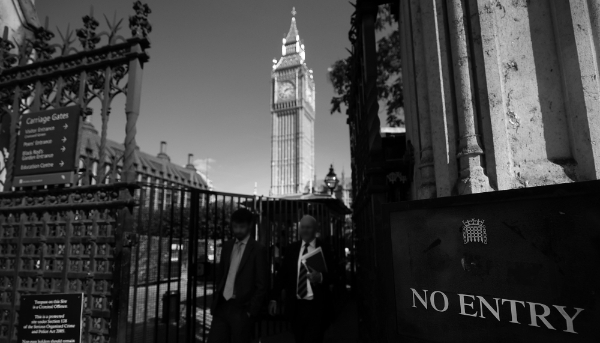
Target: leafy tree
(389, 71)
(159, 227)
(176, 220)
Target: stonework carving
(293, 118)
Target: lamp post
(331, 180)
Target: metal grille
(70, 239)
(179, 234)
(59, 241)
(41, 74)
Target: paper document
(315, 260)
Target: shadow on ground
(343, 329)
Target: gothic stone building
(293, 119)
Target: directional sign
(45, 179)
(47, 143)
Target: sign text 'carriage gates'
(536, 314)
(47, 147)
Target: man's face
(241, 230)
(307, 231)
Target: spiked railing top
(138, 23)
(39, 47)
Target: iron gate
(179, 234)
(130, 248)
(58, 239)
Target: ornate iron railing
(178, 238)
(39, 75)
(62, 240)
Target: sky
(206, 87)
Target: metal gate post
(190, 312)
(123, 235)
(124, 241)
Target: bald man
(307, 292)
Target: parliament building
(293, 119)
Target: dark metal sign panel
(511, 266)
(47, 142)
(50, 318)
(45, 179)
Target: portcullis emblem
(473, 230)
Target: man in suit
(241, 285)
(307, 292)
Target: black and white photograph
(299, 171)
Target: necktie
(303, 276)
(233, 267)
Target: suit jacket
(252, 278)
(287, 278)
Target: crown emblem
(473, 230)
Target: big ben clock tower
(293, 119)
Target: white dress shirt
(236, 258)
(311, 247)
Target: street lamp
(331, 180)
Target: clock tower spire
(292, 118)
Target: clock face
(285, 90)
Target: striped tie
(303, 277)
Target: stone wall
(19, 16)
(501, 94)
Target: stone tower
(293, 119)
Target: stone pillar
(594, 10)
(511, 90)
(423, 157)
(20, 17)
(439, 95)
(491, 93)
(576, 31)
(472, 176)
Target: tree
(162, 225)
(389, 72)
(175, 220)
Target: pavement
(146, 300)
(344, 329)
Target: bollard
(170, 310)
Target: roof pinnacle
(292, 36)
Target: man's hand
(272, 307)
(314, 276)
(248, 313)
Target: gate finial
(138, 23)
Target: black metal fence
(178, 238)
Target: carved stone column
(424, 157)
(472, 176)
(594, 9)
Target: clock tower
(293, 119)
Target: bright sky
(206, 87)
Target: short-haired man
(242, 283)
(308, 298)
